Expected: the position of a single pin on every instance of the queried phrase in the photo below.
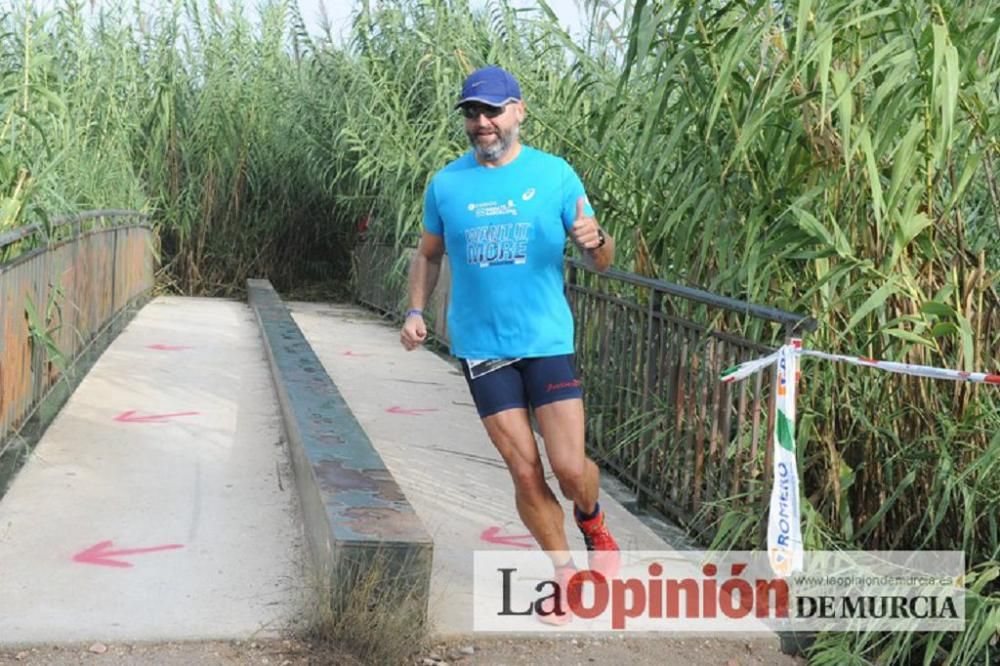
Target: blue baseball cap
(490, 85)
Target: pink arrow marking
(101, 554)
(492, 535)
(130, 417)
(162, 347)
(350, 353)
(409, 412)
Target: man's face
(492, 130)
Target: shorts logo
(562, 385)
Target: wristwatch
(601, 238)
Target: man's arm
(600, 258)
(424, 270)
(586, 233)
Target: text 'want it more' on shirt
(505, 232)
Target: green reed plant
(190, 110)
(836, 157)
(833, 157)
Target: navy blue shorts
(529, 381)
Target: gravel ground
(614, 650)
(623, 651)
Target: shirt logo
(497, 244)
(529, 194)
(493, 208)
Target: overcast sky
(339, 12)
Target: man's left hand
(584, 229)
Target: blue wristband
(414, 311)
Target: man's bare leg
(511, 433)
(562, 426)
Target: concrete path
(416, 409)
(158, 505)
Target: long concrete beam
(359, 526)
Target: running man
(504, 210)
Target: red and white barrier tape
(744, 370)
(784, 536)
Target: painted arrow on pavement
(130, 417)
(411, 412)
(492, 535)
(101, 554)
(162, 347)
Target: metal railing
(61, 285)
(379, 272)
(650, 354)
(380, 279)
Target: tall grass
(190, 110)
(832, 156)
(60, 147)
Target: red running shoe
(603, 553)
(547, 614)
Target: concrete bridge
(221, 457)
(162, 502)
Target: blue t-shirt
(505, 230)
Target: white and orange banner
(784, 521)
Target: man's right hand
(414, 332)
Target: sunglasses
(472, 111)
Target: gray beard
(498, 148)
